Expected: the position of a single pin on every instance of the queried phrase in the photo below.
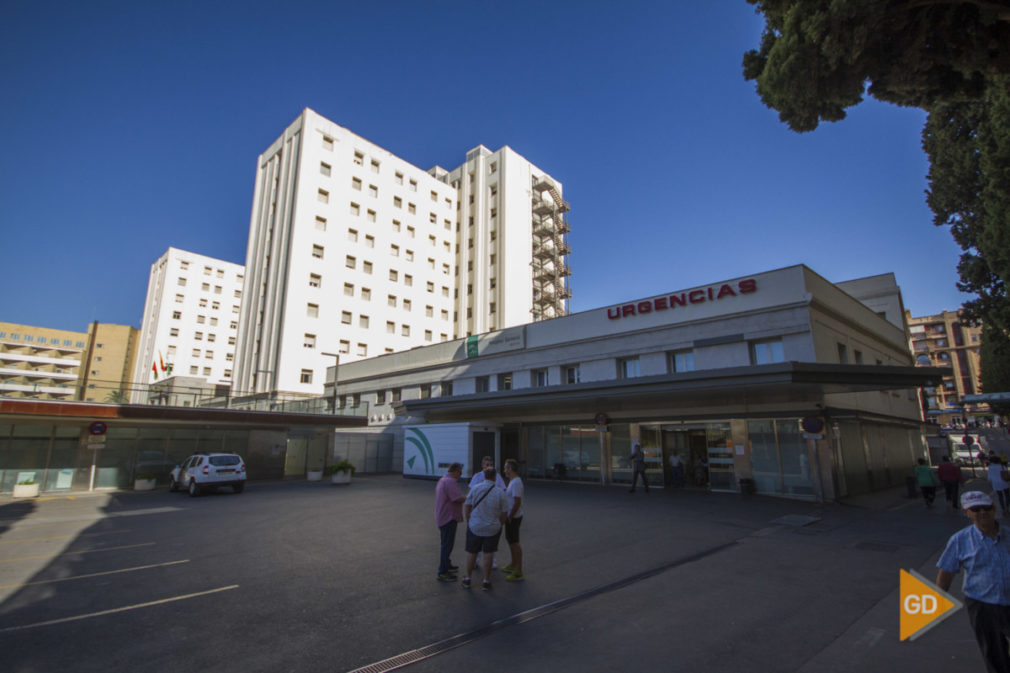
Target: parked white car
(203, 471)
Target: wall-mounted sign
(672, 301)
(601, 418)
(97, 428)
(812, 424)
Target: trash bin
(913, 487)
(747, 487)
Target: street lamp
(336, 371)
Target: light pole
(336, 372)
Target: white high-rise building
(354, 252)
(190, 320)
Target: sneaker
(514, 577)
(446, 577)
(466, 582)
(508, 569)
(485, 585)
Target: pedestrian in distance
(484, 511)
(951, 478)
(637, 466)
(927, 480)
(448, 513)
(514, 494)
(1000, 480)
(982, 551)
(676, 470)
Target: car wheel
(194, 490)
(173, 485)
(238, 488)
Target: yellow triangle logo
(923, 605)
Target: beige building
(944, 340)
(109, 362)
(39, 362)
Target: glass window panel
(764, 456)
(796, 470)
(620, 452)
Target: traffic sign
(97, 428)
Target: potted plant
(28, 488)
(341, 471)
(314, 474)
(144, 482)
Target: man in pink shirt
(448, 513)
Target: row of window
(214, 305)
(219, 273)
(200, 319)
(359, 160)
(205, 287)
(41, 340)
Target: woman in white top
(999, 485)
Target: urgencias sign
(671, 301)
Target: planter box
(314, 475)
(26, 491)
(144, 484)
(342, 477)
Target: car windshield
(225, 460)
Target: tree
(996, 348)
(117, 397)
(948, 57)
(816, 58)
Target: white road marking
(81, 577)
(125, 608)
(70, 553)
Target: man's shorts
(512, 530)
(477, 543)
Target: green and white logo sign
(418, 447)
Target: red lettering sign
(712, 293)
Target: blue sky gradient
(134, 126)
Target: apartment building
(354, 252)
(109, 363)
(190, 321)
(944, 340)
(40, 363)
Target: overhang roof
(20, 410)
(782, 382)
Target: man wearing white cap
(982, 550)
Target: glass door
(721, 469)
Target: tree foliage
(819, 57)
(996, 348)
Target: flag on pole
(154, 368)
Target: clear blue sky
(133, 126)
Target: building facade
(190, 322)
(354, 252)
(40, 363)
(944, 340)
(109, 362)
(780, 382)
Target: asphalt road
(308, 576)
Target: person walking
(982, 551)
(637, 466)
(448, 514)
(514, 495)
(927, 481)
(951, 478)
(1000, 480)
(484, 511)
(676, 470)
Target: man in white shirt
(514, 495)
(478, 478)
(484, 509)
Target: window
(196, 352)
(359, 158)
(344, 347)
(493, 168)
(390, 327)
(324, 196)
(355, 209)
(766, 351)
(183, 265)
(351, 262)
(539, 378)
(410, 231)
(369, 241)
(367, 267)
(398, 178)
(370, 216)
(327, 143)
(363, 321)
(396, 225)
(207, 270)
(430, 287)
(366, 294)
(345, 317)
(397, 202)
(380, 397)
(429, 311)
(348, 289)
(205, 287)
(408, 280)
(413, 185)
(375, 166)
(373, 191)
(445, 291)
(238, 293)
(432, 241)
(570, 373)
(309, 341)
(395, 393)
(324, 168)
(682, 361)
(179, 298)
(194, 370)
(408, 255)
(393, 275)
(505, 381)
(628, 368)
(445, 314)
(198, 336)
(482, 384)
(427, 335)
(843, 354)
(434, 196)
(352, 235)
(201, 319)
(858, 355)
(173, 332)
(209, 355)
(317, 251)
(315, 280)
(446, 388)
(182, 282)
(356, 184)
(406, 304)
(306, 376)
(411, 208)
(391, 300)
(394, 250)
(424, 391)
